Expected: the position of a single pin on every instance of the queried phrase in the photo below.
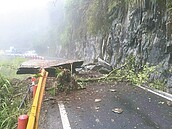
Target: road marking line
(159, 93)
(63, 114)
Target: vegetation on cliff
(116, 30)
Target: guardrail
(31, 122)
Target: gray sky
(22, 22)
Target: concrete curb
(157, 92)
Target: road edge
(158, 92)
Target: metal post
(22, 121)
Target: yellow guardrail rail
(37, 102)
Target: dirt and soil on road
(106, 105)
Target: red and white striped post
(33, 81)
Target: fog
(25, 24)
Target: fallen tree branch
(107, 77)
(89, 79)
(98, 79)
(48, 99)
(114, 70)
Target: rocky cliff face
(142, 30)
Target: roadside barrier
(31, 122)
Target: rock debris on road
(124, 107)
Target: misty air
(86, 64)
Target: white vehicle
(30, 53)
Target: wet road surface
(141, 109)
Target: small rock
(161, 102)
(53, 102)
(51, 98)
(97, 100)
(97, 108)
(67, 99)
(46, 99)
(169, 103)
(117, 110)
(75, 122)
(112, 120)
(114, 84)
(97, 120)
(112, 90)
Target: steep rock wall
(143, 33)
(140, 28)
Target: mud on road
(98, 106)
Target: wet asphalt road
(141, 109)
